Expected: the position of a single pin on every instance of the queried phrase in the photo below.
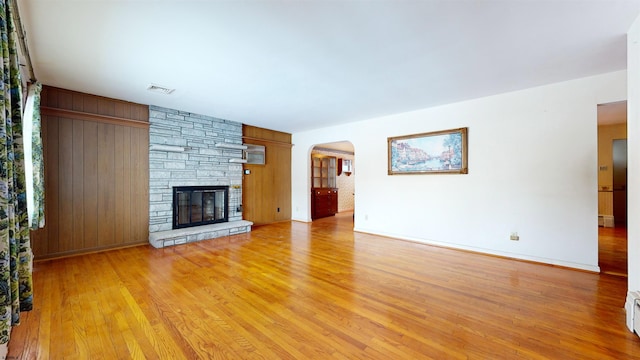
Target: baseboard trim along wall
(567, 264)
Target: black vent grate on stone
(200, 205)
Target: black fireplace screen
(199, 205)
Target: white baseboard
(630, 306)
(606, 221)
(567, 264)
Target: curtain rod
(22, 40)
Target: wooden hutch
(324, 191)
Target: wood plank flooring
(612, 250)
(318, 291)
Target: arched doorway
(332, 179)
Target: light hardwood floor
(612, 250)
(318, 291)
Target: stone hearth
(198, 233)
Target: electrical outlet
(514, 236)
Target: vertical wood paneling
(106, 187)
(143, 113)
(140, 184)
(65, 100)
(51, 99)
(90, 181)
(78, 102)
(96, 175)
(122, 111)
(127, 193)
(44, 100)
(90, 105)
(282, 195)
(65, 184)
(106, 107)
(268, 187)
(52, 181)
(78, 185)
(118, 182)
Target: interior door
(620, 182)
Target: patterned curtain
(37, 218)
(15, 249)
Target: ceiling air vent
(160, 89)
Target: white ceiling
(344, 146)
(612, 113)
(299, 65)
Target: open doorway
(612, 188)
(332, 179)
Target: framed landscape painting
(438, 152)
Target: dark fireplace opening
(200, 205)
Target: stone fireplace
(183, 154)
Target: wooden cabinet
(324, 202)
(324, 194)
(323, 171)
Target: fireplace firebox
(200, 205)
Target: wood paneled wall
(96, 153)
(266, 192)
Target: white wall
(532, 169)
(346, 186)
(633, 148)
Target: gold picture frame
(437, 152)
